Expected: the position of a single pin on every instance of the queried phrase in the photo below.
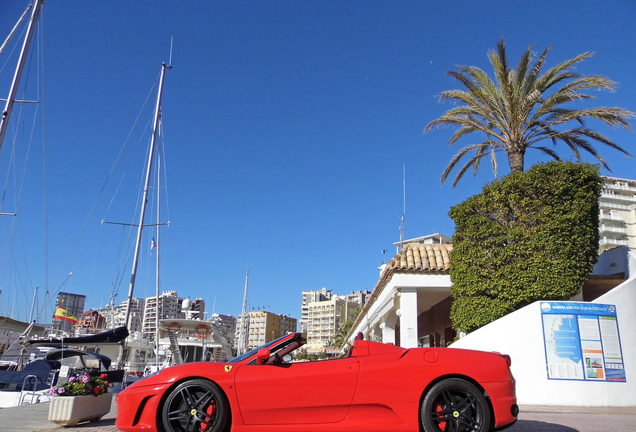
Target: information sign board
(582, 342)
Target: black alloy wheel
(455, 405)
(196, 405)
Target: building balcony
(604, 204)
(609, 217)
(612, 241)
(612, 229)
(618, 196)
(619, 187)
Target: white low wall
(520, 335)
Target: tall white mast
(6, 113)
(242, 342)
(151, 154)
(144, 201)
(158, 248)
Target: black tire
(455, 405)
(196, 405)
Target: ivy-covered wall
(531, 236)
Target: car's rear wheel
(196, 405)
(455, 405)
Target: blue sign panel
(582, 342)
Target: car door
(296, 393)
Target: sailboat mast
(242, 345)
(6, 113)
(158, 248)
(144, 202)
(35, 298)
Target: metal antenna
(171, 42)
(404, 212)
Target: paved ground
(575, 419)
(34, 418)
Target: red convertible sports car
(377, 387)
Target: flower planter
(68, 411)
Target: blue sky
(286, 124)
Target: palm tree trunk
(516, 161)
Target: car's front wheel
(455, 405)
(196, 405)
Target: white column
(388, 333)
(408, 317)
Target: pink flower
(52, 391)
(61, 390)
(85, 379)
(72, 379)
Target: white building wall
(520, 335)
(390, 301)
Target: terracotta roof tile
(422, 258)
(425, 257)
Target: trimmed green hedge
(531, 236)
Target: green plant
(531, 236)
(523, 108)
(82, 385)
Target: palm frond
(455, 160)
(518, 109)
(549, 152)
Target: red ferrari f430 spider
(376, 387)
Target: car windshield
(255, 350)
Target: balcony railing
(612, 205)
(611, 241)
(610, 228)
(615, 186)
(618, 197)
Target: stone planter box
(68, 411)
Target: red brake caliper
(441, 424)
(209, 411)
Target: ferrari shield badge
(228, 368)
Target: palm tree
(521, 108)
(340, 338)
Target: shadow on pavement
(539, 426)
(103, 423)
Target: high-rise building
(115, 316)
(169, 306)
(226, 325)
(359, 297)
(197, 308)
(325, 319)
(311, 297)
(74, 305)
(617, 219)
(265, 326)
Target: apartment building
(91, 321)
(74, 304)
(358, 297)
(116, 316)
(168, 306)
(266, 326)
(311, 297)
(324, 319)
(617, 219)
(226, 325)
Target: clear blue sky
(286, 128)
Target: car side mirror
(287, 358)
(263, 355)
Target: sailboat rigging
(144, 202)
(10, 101)
(8, 108)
